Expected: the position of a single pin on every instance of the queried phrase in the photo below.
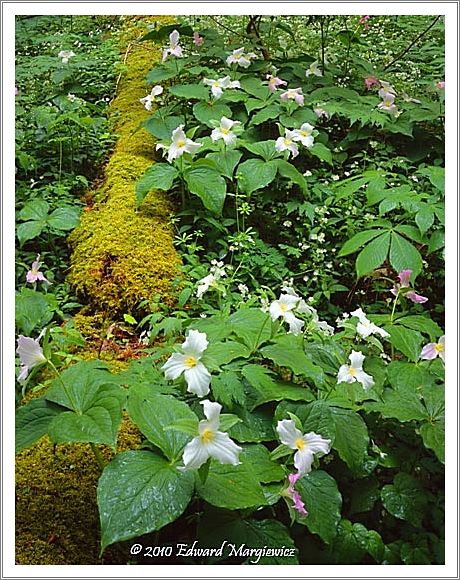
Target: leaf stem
(98, 456)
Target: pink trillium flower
(404, 278)
(30, 354)
(370, 81)
(274, 82)
(441, 85)
(197, 39)
(34, 274)
(388, 102)
(434, 349)
(295, 495)
(363, 21)
(16, 91)
(320, 112)
(174, 46)
(294, 94)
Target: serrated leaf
(228, 388)
(139, 493)
(373, 255)
(404, 255)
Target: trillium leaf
(287, 170)
(323, 503)
(192, 91)
(162, 128)
(407, 341)
(404, 255)
(34, 310)
(351, 438)
(214, 111)
(270, 112)
(433, 436)
(226, 161)
(153, 412)
(405, 499)
(256, 174)
(159, 74)
(220, 353)
(33, 420)
(139, 493)
(424, 218)
(265, 149)
(36, 210)
(353, 540)
(208, 185)
(158, 176)
(64, 218)
(251, 325)
(373, 255)
(322, 152)
(29, 230)
(255, 426)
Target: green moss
(122, 256)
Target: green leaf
(322, 152)
(214, 111)
(285, 169)
(97, 423)
(33, 310)
(407, 341)
(265, 149)
(227, 387)
(424, 218)
(404, 255)
(351, 438)
(422, 324)
(287, 351)
(433, 437)
(29, 231)
(436, 241)
(163, 32)
(255, 426)
(357, 241)
(251, 325)
(298, 118)
(162, 128)
(153, 412)
(208, 185)
(32, 421)
(256, 174)
(64, 218)
(36, 210)
(158, 176)
(232, 487)
(254, 87)
(192, 91)
(139, 493)
(270, 112)
(405, 499)
(159, 74)
(265, 469)
(435, 174)
(323, 503)
(221, 353)
(226, 161)
(352, 542)
(364, 494)
(373, 255)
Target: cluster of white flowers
(304, 135)
(216, 272)
(219, 85)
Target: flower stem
(98, 456)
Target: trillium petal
(174, 37)
(429, 351)
(359, 313)
(198, 379)
(316, 444)
(303, 460)
(404, 277)
(191, 147)
(195, 343)
(178, 134)
(343, 376)
(226, 123)
(30, 352)
(224, 449)
(356, 359)
(295, 324)
(416, 298)
(175, 366)
(366, 380)
(174, 152)
(211, 411)
(288, 433)
(195, 454)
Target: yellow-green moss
(120, 256)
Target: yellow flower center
(181, 143)
(190, 362)
(439, 347)
(300, 444)
(224, 131)
(207, 436)
(287, 142)
(283, 307)
(216, 84)
(387, 103)
(352, 371)
(304, 133)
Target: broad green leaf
(351, 438)
(139, 493)
(256, 174)
(163, 128)
(158, 176)
(214, 111)
(405, 499)
(162, 33)
(265, 469)
(433, 437)
(33, 310)
(270, 112)
(357, 241)
(64, 218)
(352, 542)
(227, 387)
(192, 91)
(373, 255)
(265, 149)
(364, 494)
(252, 104)
(404, 255)
(287, 170)
(32, 421)
(422, 324)
(231, 486)
(424, 218)
(226, 161)
(435, 174)
(97, 423)
(159, 74)
(323, 503)
(251, 325)
(407, 341)
(36, 210)
(153, 412)
(287, 351)
(221, 353)
(436, 242)
(254, 87)
(29, 230)
(298, 118)
(142, 372)
(322, 152)
(208, 185)
(255, 426)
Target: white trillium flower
(365, 327)
(225, 131)
(148, 100)
(30, 354)
(313, 69)
(306, 445)
(434, 349)
(65, 55)
(304, 135)
(180, 144)
(188, 362)
(210, 442)
(287, 143)
(354, 372)
(241, 58)
(174, 47)
(283, 308)
(219, 85)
